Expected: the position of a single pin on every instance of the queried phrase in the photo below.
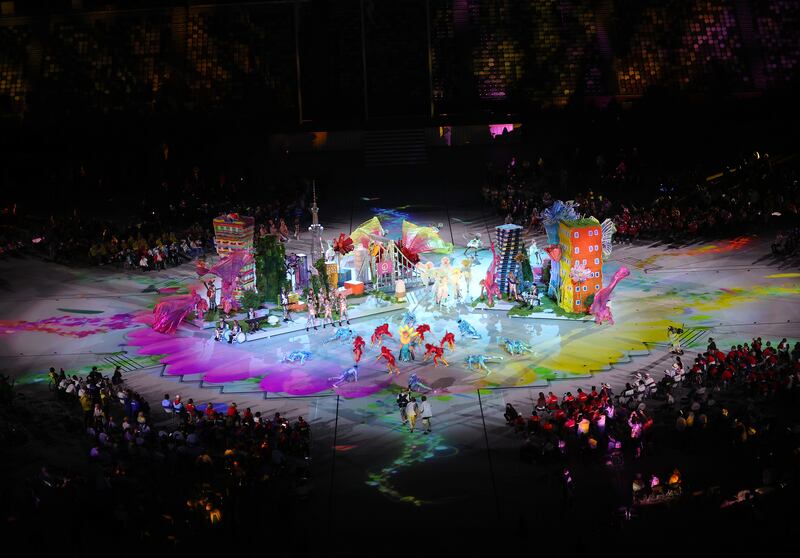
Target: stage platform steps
(125, 363)
(690, 338)
(395, 147)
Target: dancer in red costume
(358, 347)
(436, 352)
(449, 339)
(377, 336)
(391, 364)
(421, 330)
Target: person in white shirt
(427, 413)
(411, 413)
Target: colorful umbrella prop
(362, 233)
(417, 239)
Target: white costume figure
(312, 311)
(426, 272)
(535, 256)
(443, 281)
(474, 245)
(329, 253)
(343, 309)
(466, 273)
(455, 280)
(327, 309)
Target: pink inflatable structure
(170, 312)
(489, 284)
(599, 308)
(228, 270)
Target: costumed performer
(343, 308)
(422, 330)
(311, 320)
(349, 375)
(327, 307)
(474, 245)
(358, 348)
(391, 364)
(377, 335)
(406, 336)
(436, 352)
(211, 293)
(449, 339)
(285, 305)
(415, 383)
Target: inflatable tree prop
(270, 267)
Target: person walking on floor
(402, 402)
(426, 413)
(411, 413)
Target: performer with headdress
(311, 321)
(407, 336)
(343, 308)
(327, 309)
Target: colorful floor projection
(730, 290)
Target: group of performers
(451, 283)
(528, 297)
(225, 332)
(322, 304)
(409, 338)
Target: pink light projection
(187, 355)
(70, 326)
(498, 129)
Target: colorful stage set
(498, 310)
(376, 312)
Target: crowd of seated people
(750, 196)
(786, 242)
(173, 474)
(168, 226)
(145, 246)
(699, 399)
(153, 255)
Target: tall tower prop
(509, 243)
(316, 230)
(234, 232)
(581, 242)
